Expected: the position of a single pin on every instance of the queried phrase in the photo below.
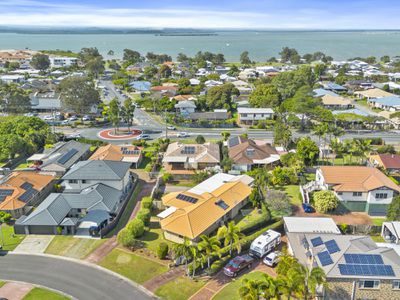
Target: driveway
(80, 280)
(34, 244)
(15, 290)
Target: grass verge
(44, 294)
(179, 289)
(11, 240)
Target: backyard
(179, 289)
(69, 246)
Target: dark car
(238, 264)
(307, 208)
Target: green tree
(87, 54)
(95, 66)
(225, 135)
(284, 176)
(132, 56)
(231, 235)
(40, 61)
(282, 133)
(265, 95)
(210, 245)
(136, 228)
(289, 54)
(128, 112)
(325, 201)
(165, 71)
(393, 211)
(183, 250)
(278, 203)
(244, 58)
(364, 147)
(251, 289)
(162, 250)
(221, 96)
(307, 151)
(200, 139)
(113, 113)
(14, 100)
(78, 94)
(385, 59)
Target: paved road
(78, 280)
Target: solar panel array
(188, 150)
(366, 270)
(233, 142)
(365, 259)
(4, 194)
(67, 156)
(28, 195)
(316, 241)
(222, 204)
(26, 186)
(332, 246)
(130, 152)
(187, 198)
(325, 258)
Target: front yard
(153, 237)
(11, 240)
(134, 267)
(70, 246)
(179, 289)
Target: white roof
(169, 211)
(310, 225)
(394, 228)
(252, 110)
(37, 156)
(265, 238)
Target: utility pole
(166, 124)
(2, 237)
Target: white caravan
(265, 243)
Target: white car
(171, 127)
(143, 137)
(73, 118)
(272, 259)
(182, 134)
(48, 117)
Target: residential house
(358, 188)
(124, 153)
(388, 162)
(115, 174)
(61, 62)
(336, 102)
(391, 103)
(247, 115)
(355, 266)
(141, 86)
(373, 94)
(210, 116)
(334, 87)
(322, 92)
(21, 190)
(247, 154)
(184, 98)
(60, 158)
(205, 207)
(181, 159)
(185, 107)
(82, 213)
(165, 90)
(12, 79)
(45, 101)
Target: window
(84, 181)
(244, 115)
(381, 195)
(73, 181)
(369, 284)
(340, 193)
(396, 284)
(357, 194)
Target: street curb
(43, 287)
(94, 266)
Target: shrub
(200, 139)
(167, 177)
(325, 201)
(162, 250)
(144, 216)
(344, 227)
(218, 265)
(148, 167)
(135, 228)
(147, 202)
(5, 217)
(125, 238)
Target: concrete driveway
(34, 244)
(15, 290)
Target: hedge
(144, 215)
(218, 265)
(162, 250)
(261, 221)
(147, 203)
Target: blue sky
(269, 14)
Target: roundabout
(119, 134)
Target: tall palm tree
(196, 257)
(364, 147)
(338, 148)
(231, 235)
(271, 287)
(185, 251)
(250, 289)
(294, 283)
(210, 245)
(314, 278)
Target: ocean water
(260, 44)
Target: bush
(162, 250)
(144, 216)
(5, 217)
(135, 228)
(344, 228)
(167, 177)
(147, 202)
(325, 201)
(200, 139)
(148, 167)
(125, 238)
(218, 265)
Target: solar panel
(6, 193)
(325, 258)
(332, 246)
(233, 142)
(29, 194)
(26, 186)
(316, 241)
(187, 198)
(188, 150)
(366, 259)
(366, 270)
(222, 204)
(67, 156)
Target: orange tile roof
(15, 180)
(356, 178)
(114, 152)
(192, 220)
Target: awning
(172, 159)
(167, 212)
(94, 218)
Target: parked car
(182, 135)
(272, 259)
(86, 118)
(73, 118)
(65, 122)
(48, 118)
(31, 114)
(73, 136)
(237, 265)
(171, 127)
(143, 137)
(307, 208)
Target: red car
(238, 264)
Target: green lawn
(73, 247)
(2, 283)
(231, 290)
(134, 267)
(179, 289)
(252, 217)
(24, 165)
(378, 221)
(293, 192)
(152, 238)
(11, 240)
(378, 239)
(44, 294)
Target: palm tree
(250, 289)
(210, 245)
(314, 278)
(184, 250)
(271, 287)
(294, 282)
(196, 256)
(364, 147)
(231, 235)
(338, 148)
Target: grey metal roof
(61, 149)
(55, 208)
(98, 170)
